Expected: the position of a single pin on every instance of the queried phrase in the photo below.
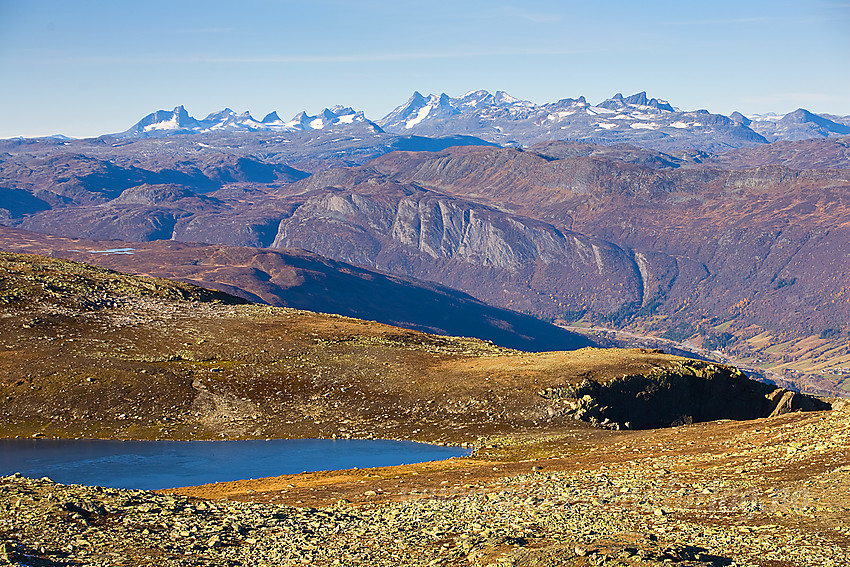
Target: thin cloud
(203, 30)
(380, 57)
(317, 59)
(799, 97)
(535, 17)
(722, 21)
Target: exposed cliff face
(497, 256)
(613, 232)
(689, 245)
(723, 243)
(363, 216)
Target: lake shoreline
(164, 464)
(703, 494)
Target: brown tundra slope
(89, 352)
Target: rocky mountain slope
(738, 251)
(750, 250)
(630, 204)
(88, 352)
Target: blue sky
(85, 67)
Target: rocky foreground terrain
(770, 492)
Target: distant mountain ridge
(503, 119)
(178, 121)
(637, 119)
(798, 125)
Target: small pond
(151, 465)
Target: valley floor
(815, 366)
(768, 492)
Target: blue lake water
(151, 465)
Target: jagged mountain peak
(618, 101)
(339, 110)
(419, 108)
(332, 116)
(220, 114)
(416, 98)
(504, 119)
(178, 121)
(740, 118)
(637, 98)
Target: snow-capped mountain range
(636, 119)
(420, 110)
(178, 121)
(507, 120)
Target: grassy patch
(777, 348)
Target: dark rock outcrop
(683, 392)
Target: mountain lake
(152, 465)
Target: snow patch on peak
(766, 117)
(420, 116)
(501, 97)
(170, 124)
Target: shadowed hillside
(300, 279)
